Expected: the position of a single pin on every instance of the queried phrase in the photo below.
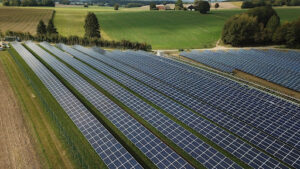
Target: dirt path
(17, 150)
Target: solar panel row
(257, 137)
(158, 152)
(246, 107)
(107, 147)
(216, 134)
(275, 66)
(183, 138)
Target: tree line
(28, 3)
(258, 3)
(261, 26)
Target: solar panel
(275, 66)
(184, 139)
(96, 134)
(257, 137)
(158, 152)
(259, 113)
(203, 126)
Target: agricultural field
(161, 29)
(22, 19)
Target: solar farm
(280, 67)
(139, 110)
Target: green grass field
(161, 29)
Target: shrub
(116, 7)
(153, 6)
(217, 5)
(294, 3)
(202, 6)
(179, 5)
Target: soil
(16, 146)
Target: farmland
(161, 29)
(22, 19)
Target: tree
(280, 33)
(51, 28)
(179, 5)
(240, 30)
(116, 7)
(15, 2)
(202, 6)
(217, 5)
(247, 4)
(91, 26)
(5, 2)
(152, 6)
(263, 14)
(41, 28)
(293, 34)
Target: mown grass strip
(130, 147)
(198, 114)
(79, 147)
(161, 136)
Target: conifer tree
(41, 28)
(91, 26)
(51, 28)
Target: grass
(161, 29)
(22, 19)
(53, 146)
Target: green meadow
(161, 29)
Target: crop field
(22, 19)
(161, 29)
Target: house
(160, 7)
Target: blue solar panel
(244, 130)
(90, 127)
(247, 107)
(184, 139)
(273, 65)
(201, 125)
(133, 130)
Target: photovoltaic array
(279, 67)
(107, 147)
(218, 122)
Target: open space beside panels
(158, 152)
(107, 147)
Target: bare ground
(16, 147)
(266, 83)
